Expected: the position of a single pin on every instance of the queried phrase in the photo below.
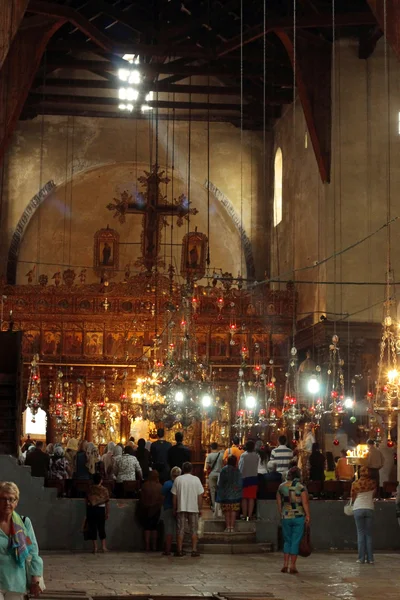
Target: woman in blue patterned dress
(293, 507)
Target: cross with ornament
(154, 207)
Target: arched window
(36, 427)
(278, 176)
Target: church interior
(199, 224)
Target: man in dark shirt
(178, 454)
(39, 461)
(159, 455)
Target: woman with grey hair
(21, 568)
(59, 465)
(167, 514)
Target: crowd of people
(172, 495)
(81, 460)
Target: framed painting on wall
(106, 252)
(194, 254)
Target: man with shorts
(187, 493)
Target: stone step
(215, 526)
(244, 548)
(217, 537)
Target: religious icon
(73, 342)
(51, 343)
(94, 343)
(115, 344)
(31, 341)
(194, 254)
(134, 344)
(219, 345)
(106, 252)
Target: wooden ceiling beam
(152, 69)
(313, 82)
(96, 84)
(11, 15)
(18, 72)
(248, 123)
(39, 97)
(321, 21)
(58, 11)
(392, 25)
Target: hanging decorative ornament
(336, 442)
(291, 413)
(335, 384)
(34, 393)
(220, 304)
(232, 324)
(386, 401)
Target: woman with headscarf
(362, 497)
(150, 503)
(70, 454)
(93, 458)
(59, 466)
(107, 459)
(21, 568)
(50, 449)
(117, 452)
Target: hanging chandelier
(34, 393)
(291, 413)
(386, 401)
(179, 381)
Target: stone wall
(330, 528)
(92, 160)
(365, 126)
(58, 521)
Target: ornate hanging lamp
(34, 392)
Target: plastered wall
(321, 219)
(91, 161)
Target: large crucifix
(154, 207)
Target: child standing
(97, 512)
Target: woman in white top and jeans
(362, 496)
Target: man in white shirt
(187, 493)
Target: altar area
(95, 355)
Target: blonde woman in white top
(362, 496)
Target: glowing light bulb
(250, 402)
(206, 401)
(313, 385)
(134, 77)
(392, 375)
(179, 396)
(123, 74)
(348, 403)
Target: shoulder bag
(348, 509)
(305, 548)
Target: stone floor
(322, 576)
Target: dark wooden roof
(193, 55)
